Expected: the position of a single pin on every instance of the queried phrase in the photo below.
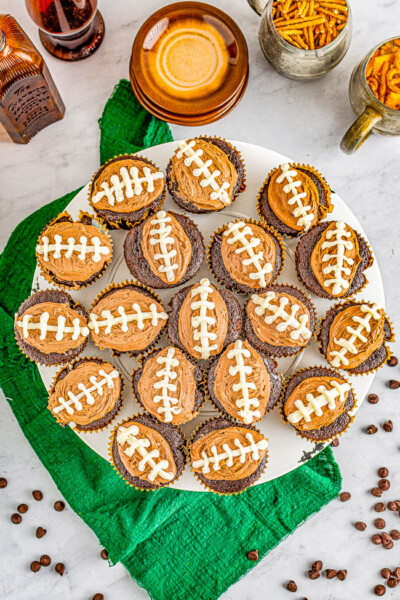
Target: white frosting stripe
(141, 446)
(44, 327)
(201, 322)
(167, 375)
(240, 232)
(138, 316)
(274, 312)
(342, 262)
(74, 401)
(315, 403)
(127, 184)
(161, 236)
(300, 210)
(86, 246)
(246, 401)
(230, 454)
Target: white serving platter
(286, 450)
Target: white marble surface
(305, 121)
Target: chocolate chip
(59, 505)
(342, 574)
(373, 399)
(386, 573)
(252, 555)
(388, 426)
(392, 582)
(360, 526)
(392, 506)
(314, 574)
(37, 494)
(379, 506)
(384, 484)
(3, 482)
(379, 590)
(394, 384)
(383, 472)
(376, 492)
(40, 532)
(291, 586)
(98, 597)
(379, 523)
(395, 535)
(16, 518)
(104, 554)
(317, 565)
(45, 560)
(60, 568)
(344, 496)
(22, 508)
(35, 566)
(387, 541)
(335, 443)
(396, 572)
(393, 361)
(330, 573)
(376, 539)
(371, 429)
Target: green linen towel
(177, 545)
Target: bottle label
(28, 101)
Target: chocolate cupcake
(317, 402)
(246, 255)
(72, 254)
(280, 321)
(148, 454)
(87, 395)
(205, 175)
(125, 189)
(126, 318)
(50, 328)
(168, 386)
(293, 198)
(243, 383)
(204, 319)
(228, 457)
(353, 336)
(165, 250)
(331, 259)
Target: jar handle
(258, 6)
(356, 135)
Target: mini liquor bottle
(29, 99)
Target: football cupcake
(148, 454)
(280, 321)
(168, 386)
(243, 383)
(72, 254)
(331, 259)
(228, 457)
(205, 175)
(293, 198)
(317, 402)
(165, 250)
(245, 255)
(204, 319)
(126, 318)
(125, 189)
(50, 328)
(353, 336)
(86, 395)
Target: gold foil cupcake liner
(46, 273)
(196, 475)
(182, 449)
(123, 223)
(303, 434)
(261, 223)
(69, 368)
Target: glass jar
(296, 63)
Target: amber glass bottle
(29, 99)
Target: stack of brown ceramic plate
(189, 64)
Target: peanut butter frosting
(52, 327)
(316, 402)
(335, 258)
(356, 332)
(203, 321)
(293, 197)
(204, 174)
(242, 383)
(167, 386)
(73, 251)
(166, 247)
(145, 453)
(280, 319)
(248, 253)
(86, 394)
(126, 185)
(126, 320)
(228, 454)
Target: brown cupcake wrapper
(261, 223)
(49, 277)
(70, 367)
(123, 223)
(196, 475)
(325, 210)
(303, 434)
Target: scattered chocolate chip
(383, 472)
(392, 506)
(98, 597)
(379, 523)
(22, 508)
(388, 426)
(40, 532)
(335, 443)
(60, 568)
(45, 560)
(344, 496)
(376, 539)
(35, 566)
(330, 573)
(37, 494)
(387, 541)
(373, 399)
(386, 573)
(396, 573)
(16, 518)
(379, 590)
(317, 565)
(3, 482)
(360, 526)
(59, 505)
(376, 492)
(371, 429)
(104, 554)
(314, 574)
(291, 586)
(379, 506)
(392, 582)
(394, 384)
(252, 555)
(384, 484)
(393, 361)
(395, 535)
(342, 574)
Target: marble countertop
(305, 121)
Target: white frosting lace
(72, 247)
(161, 236)
(128, 435)
(315, 403)
(300, 210)
(167, 375)
(138, 316)
(202, 321)
(44, 327)
(74, 400)
(246, 402)
(289, 319)
(338, 283)
(127, 185)
(239, 232)
(230, 454)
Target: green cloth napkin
(177, 545)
